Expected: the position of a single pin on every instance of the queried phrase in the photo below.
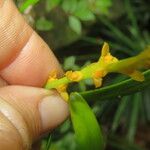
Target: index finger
(24, 57)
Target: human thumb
(26, 113)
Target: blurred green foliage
(63, 17)
(43, 25)
(75, 29)
(79, 10)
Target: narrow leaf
(146, 103)
(119, 112)
(26, 4)
(134, 117)
(126, 87)
(87, 130)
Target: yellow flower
(97, 77)
(101, 70)
(62, 89)
(52, 76)
(106, 57)
(75, 76)
(97, 82)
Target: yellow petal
(52, 76)
(97, 82)
(74, 75)
(137, 75)
(62, 91)
(105, 49)
(62, 88)
(65, 96)
(99, 74)
(106, 57)
(51, 79)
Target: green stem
(86, 72)
(126, 87)
(57, 83)
(106, 64)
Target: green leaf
(146, 103)
(69, 62)
(134, 117)
(69, 6)
(120, 89)
(119, 112)
(118, 33)
(75, 24)
(46, 143)
(26, 4)
(49, 141)
(43, 25)
(82, 4)
(50, 4)
(87, 130)
(119, 143)
(85, 15)
(102, 6)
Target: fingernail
(53, 110)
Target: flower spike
(97, 70)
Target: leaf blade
(87, 130)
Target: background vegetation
(75, 30)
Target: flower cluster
(106, 64)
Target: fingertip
(41, 110)
(53, 110)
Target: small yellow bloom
(62, 89)
(106, 57)
(74, 75)
(65, 96)
(97, 77)
(99, 74)
(52, 76)
(97, 82)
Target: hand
(26, 110)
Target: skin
(27, 111)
